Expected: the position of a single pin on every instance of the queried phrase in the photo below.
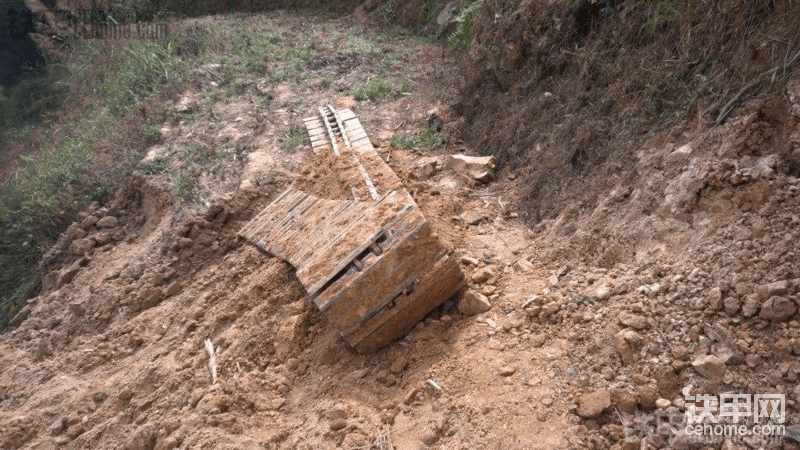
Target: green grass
(54, 183)
(427, 139)
(292, 140)
(356, 43)
(184, 185)
(24, 106)
(372, 90)
(156, 166)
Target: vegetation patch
(292, 140)
(101, 146)
(427, 139)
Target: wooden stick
(212, 361)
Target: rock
(291, 329)
(425, 168)
(631, 443)
(778, 288)
(777, 309)
(477, 168)
(602, 293)
(633, 321)
(173, 289)
(74, 431)
(507, 371)
(483, 275)
(552, 280)
(648, 394)
(663, 403)
(410, 395)
(338, 424)
(151, 297)
(667, 381)
(709, 366)
(81, 246)
(624, 400)
(107, 222)
(438, 116)
(468, 260)
(168, 443)
(58, 426)
(337, 411)
(21, 316)
(592, 405)
(750, 305)
(523, 266)
(473, 217)
(624, 341)
(752, 360)
(399, 364)
(87, 223)
(429, 436)
(715, 299)
(67, 276)
(731, 305)
(473, 303)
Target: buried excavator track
(372, 265)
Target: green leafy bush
(465, 20)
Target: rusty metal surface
(373, 266)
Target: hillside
(637, 240)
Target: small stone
(710, 367)
(473, 303)
(777, 309)
(473, 217)
(410, 395)
(173, 289)
(430, 436)
(398, 365)
(731, 305)
(752, 360)
(592, 405)
(715, 299)
(107, 222)
(338, 411)
(777, 288)
(631, 443)
(602, 293)
(507, 371)
(81, 246)
(623, 343)
(75, 431)
(633, 321)
(88, 222)
(478, 168)
(552, 280)
(67, 276)
(663, 403)
(750, 305)
(338, 424)
(483, 275)
(469, 260)
(624, 400)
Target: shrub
(465, 20)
